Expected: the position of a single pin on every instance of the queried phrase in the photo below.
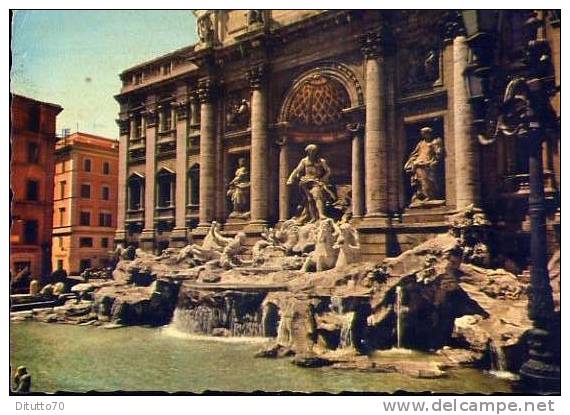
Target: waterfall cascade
(346, 331)
(283, 333)
(218, 319)
(399, 316)
(499, 362)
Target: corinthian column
(259, 145)
(283, 176)
(147, 236)
(179, 233)
(466, 147)
(375, 140)
(357, 170)
(207, 152)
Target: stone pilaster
(357, 174)
(147, 236)
(206, 91)
(259, 145)
(466, 146)
(179, 234)
(394, 162)
(194, 109)
(133, 127)
(120, 233)
(173, 112)
(220, 173)
(161, 126)
(283, 176)
(375, 140)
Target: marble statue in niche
(423, 166)
(238, 190)
(313, 174)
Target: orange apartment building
(85, 202)
(32, 148)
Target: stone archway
(314, 110)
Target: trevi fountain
(299, 310)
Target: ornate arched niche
(314, 104)
(314, 111)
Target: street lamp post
(523, 117)
(525, 114)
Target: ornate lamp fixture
(523, 113)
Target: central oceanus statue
(313, 174)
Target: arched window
(194, 185)
(135, 191)
(165, 183)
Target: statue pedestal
(234, 225)
(120, 237)
(255, 227)
(199, 233)
(208, 44)
(146, 240)
(427, 212)
(375, 220)
(179, 237)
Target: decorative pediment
(165, 171)
(136, 176)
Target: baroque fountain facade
(331, 199)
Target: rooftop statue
(254, 17)
(204, 27)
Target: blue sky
(73, 58)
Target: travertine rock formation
(434, 297)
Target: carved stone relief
(420, 67)
(238, 110)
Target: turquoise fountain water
(73, 358)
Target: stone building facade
(32, 139)
(85, 201)
(365, 86)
